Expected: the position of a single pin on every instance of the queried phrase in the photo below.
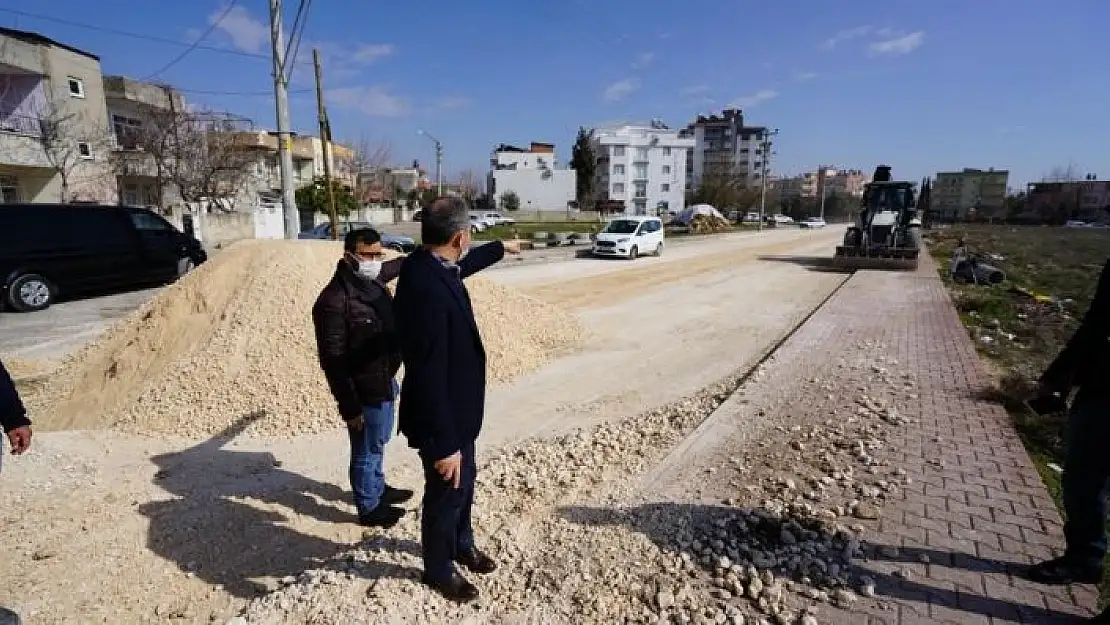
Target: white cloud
(846, 35)
(375, 101)
(367, 53)
(246, 33)
(903, 44)
(754, 99)
(620, 90)
(643, 60)
(804, 76)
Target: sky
(924, 86)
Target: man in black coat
(444, 389)
(13, 416)
(1083, 364)
(356, 338)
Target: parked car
(812, 222)
(51, 250)
(392, 241)
(418, 215)
(783, 220)
(498, 219)
(752, 218)
(479, 223)
(630, 237)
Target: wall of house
(538, 189)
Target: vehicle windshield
(621, 226)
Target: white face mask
(369, 269)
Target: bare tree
(210, 163)
(470, 184)
(1062, 173)
(70, 142)
(370, 158)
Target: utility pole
(824, 182)
(763, 174)
(325, 138)
(281, 99)
(439, 162)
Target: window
(642, 153)
(147, 222)
(640, 171)
(128, 131)
(618, 188)
(666, 151)
(618, 170)
(665, 188)
(618, 150)
(666, 170)
(84, 150)
(9, 190)
(76, 87)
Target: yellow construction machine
(887, 230)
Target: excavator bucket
(891, 259)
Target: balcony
(20, 140)
(20, 124)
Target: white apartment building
(533, 175)
(642, 166)
(724, 146)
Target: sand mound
(235, 338)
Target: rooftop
(42, 40)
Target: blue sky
(921, 85)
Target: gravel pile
(235, 338)
(787, 539)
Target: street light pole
(439, 161)
(763, 174)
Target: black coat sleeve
(481, 257)
(390, 270)
(1061, 374)
(12, 413)
(329, 316)
(425, 336)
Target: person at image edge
(13, 416)
(443, 393)
(356, 339)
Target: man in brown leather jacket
(360, 354)
(1084, 364)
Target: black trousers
(1087, 479)
(445, 524)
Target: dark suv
(48, 250)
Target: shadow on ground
(823, 264)
(228, 520)
(661, 522)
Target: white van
(630, 237)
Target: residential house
(261, 186)
(1082, 200)
(341, 160)
(54, 139)
(141, 113)
(534, 175)
(958, 195)
(643, 167)
(724, 146)
(825, 181)
(383, 185)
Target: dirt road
(104, 527)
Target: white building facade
(642, 166)
(534, 176)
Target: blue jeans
(1086, 480)
(367, 451)
(445, 523)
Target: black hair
(446, 217)
(367, 236)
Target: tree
(584, 163)
(510, 201)
(210, 163)
(148, 149)
(313, 198)
(1062, 173)
(369, 160)
(726, 192)
(70, 142)
(470, 185)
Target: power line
(236, 93)
(203, 36)
(298, 29)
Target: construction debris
(235, 338)
(709, 224)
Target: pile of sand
(235, 338)
(709, 224)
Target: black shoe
(384, 516)
(1060, 571)
(457, 589)
(476, 561)
(395, 495)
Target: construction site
(741, 431)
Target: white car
(751, 218)
(479, 223)
(498, 219)
(783, 219)
(630, 237)
(812, 222)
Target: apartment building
(534, 175)
(643, 166)
(825, 181)
(341, 160)
(54, 139)
(957, 194)
(1084, 200)
(258, 151)
(140, 113)
(724, 146)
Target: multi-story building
(143, 118)
(534, 175)
(724, 146)
(642, 166)
(341, 160)
(261, 183)
(825, 181)
(955, 195)
(1084, 200)
(54, 139)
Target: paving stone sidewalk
(976, 513)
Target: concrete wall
(538, 189)
(218, 229)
